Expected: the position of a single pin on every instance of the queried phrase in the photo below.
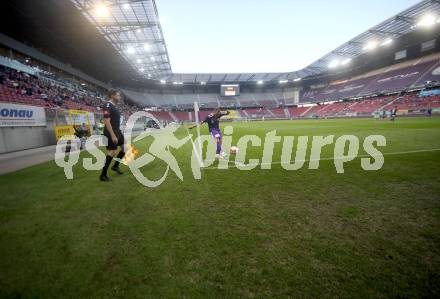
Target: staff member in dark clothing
(115, 138)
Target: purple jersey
(213, 122)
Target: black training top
(110, 111)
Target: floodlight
(427, 21)
(283, 81)
(346, 61)
(334, 63)
(370, 46)
(101, 11)
(260, 82)
(387, 42)
(147, 47)
(297, 79)
(130, 50)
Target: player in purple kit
(214, 128)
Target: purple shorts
(216, 133)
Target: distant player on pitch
(214, 128)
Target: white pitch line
(334, 158)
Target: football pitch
(270, 233)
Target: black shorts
(111, 145)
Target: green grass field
(260, 233)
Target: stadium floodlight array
(371, 45)
(339, 62)
(346, 61)
(423, 14)
(134, 30)
(386, 42)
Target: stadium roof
(133, 28)
(381, 35)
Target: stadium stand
(401, 76)
(18, 86)
(278, 113)
(30, 85)
(24, 85)
(296, 112)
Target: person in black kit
(115, 138)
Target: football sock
(120, 155)
(219, 148)
(108, 160)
